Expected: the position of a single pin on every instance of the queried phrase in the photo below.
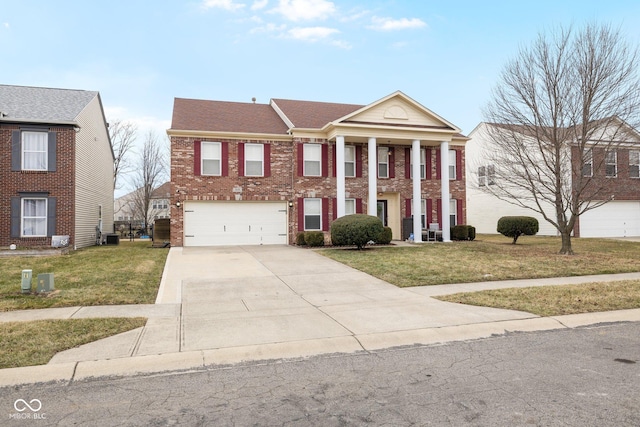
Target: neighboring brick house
(613, 175)
(247, 173)
(126, 208)
(56, 167)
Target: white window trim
(24, 151)
(22, 216)
(452, 165)
(384, 157)
(347, 203)
(637, 163)
(614, 164)
(305, 159)
(453, 212)
(202, 158)
(319, 201)
(482, 176)
(261, 159)
(423, 163)
(351, 148)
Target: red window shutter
(392, 162)
(358, 161)
(225, 159)
(325, 160)
(458, 165)
(439, 212)
(325, 213)
(407, 162)
(429, 214)
(438, 164)
(301, 214)
(267, 159)
(196, 158)
(359, 206)
(300, 159)
(407, 204)
(241, 159)
(334, 201)
(334, 154)
(459, 211)
(428, 165)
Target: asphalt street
(587, 376)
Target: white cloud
(5, 24)
(222, 4)
(389, 24)
(259, 4)
(304, 10)
(269, 28)
(311, 34)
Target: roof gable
(222, 116)
(398, 109)
(44, 105)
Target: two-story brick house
(611, 174)
(249, 173)
(56, 167)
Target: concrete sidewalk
(231, 304)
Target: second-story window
(211, 154)
(312, 160)
(611, 163)
(349, 161)
(254, 159)
(587, 167)
(383, 162)
(634, 164)
(34, 150)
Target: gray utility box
(26, 281)
(45, 282)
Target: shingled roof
(222, 116)
(313, 115)
(42, 105)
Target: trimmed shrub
(300, 239)
(356, 229)
(385, 237)
(516, 226)
(314, 238)
(472, 232)
(459, 232)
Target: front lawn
(490, 258)
(128, 273)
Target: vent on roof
(254, 99)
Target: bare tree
(558, 107)
(123, 136)
(150, 173)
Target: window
(312, 159)
(383, 162)
(491, 175)
(254, 159)
(611, 164)
(587, 167)
(452, 164)
(423, 163)
(349, 206)
(160, 204)
(423, 213)
(34, 217)
(634, 164)
(211, 154)
(482, 176)
(453, 212)
(350, 161)
(34, 150)
(312, 214)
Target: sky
(140, 55)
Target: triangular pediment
(396, 110)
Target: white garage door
(614, 219)
(235, 223)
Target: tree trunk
(566, 243)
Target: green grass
(128, 273)
(490, 258)
(557, 300)
(35, 343)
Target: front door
(382, 211)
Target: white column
(416, 205)
(372, 204)
(340, 181)
(444, 190)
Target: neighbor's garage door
(235, 223)
(614, 219)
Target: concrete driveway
(256, 295)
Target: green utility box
(45, 282)
(26, 281)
